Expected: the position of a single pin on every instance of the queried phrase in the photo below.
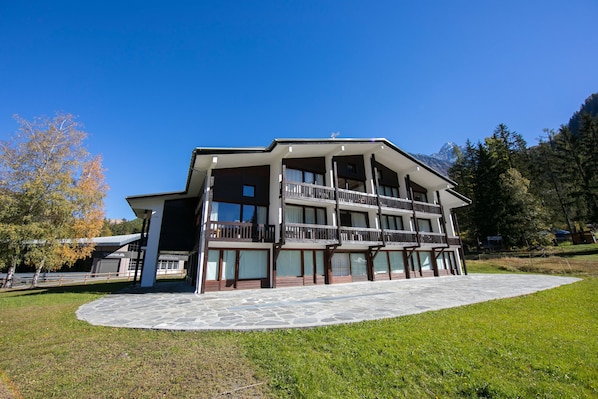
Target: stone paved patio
(174, 306)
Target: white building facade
(305, 212)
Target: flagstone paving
(175, 306)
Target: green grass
(46, 352)
(536, 346)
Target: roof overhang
(204, 159)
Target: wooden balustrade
(310, 232)
(356, 197)
(236, 231)
(432, 238)
(309, 191)
(360, 234)
(396, 203)
(427, 208)
(400, 236)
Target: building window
(389, 191)
(354, 219)
(305, 176)
(352, 168)
(420, 196)
(397, 262)
(168, 264)
(288, 264)
(381, 263)
(226, 212)
(134, 246)
(248, 191)
(253, 264)
(350, 184)
(425, 258)
(132, 264)
(424, 225)
(305, 215)
(392, 222)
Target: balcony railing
(396, 203)
(432, 238)
(310, 232)
(360, 234)
(312, 191)
(235, 231)
(356, 197)
(454, 241)
(400, 236)
(308, 191)
(428, 208)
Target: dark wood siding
(350, 167)
(228, 185)
(316, 165)
(389, 177)
(178, 225)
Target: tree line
(522, 193)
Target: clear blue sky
(153, 80)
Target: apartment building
(304, 212)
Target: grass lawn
(543, 345)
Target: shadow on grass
(117, 287)
(97, 289)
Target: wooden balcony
(454, 241)
(427, 208)
(432, 238)
(395, 203)
(356, 197)
(400, 237)
(360, 234)
(323, 193)
(310, 232)
(309, 191)
(235, 231)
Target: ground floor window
(253, 264)
(381, 263)
(397, 262)
(341, 264)
(347, 264)
(288, 264)
(425, 260)
(359, 264)
(224, 264)
(297, 263)
(386, 261)
(440, 261)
